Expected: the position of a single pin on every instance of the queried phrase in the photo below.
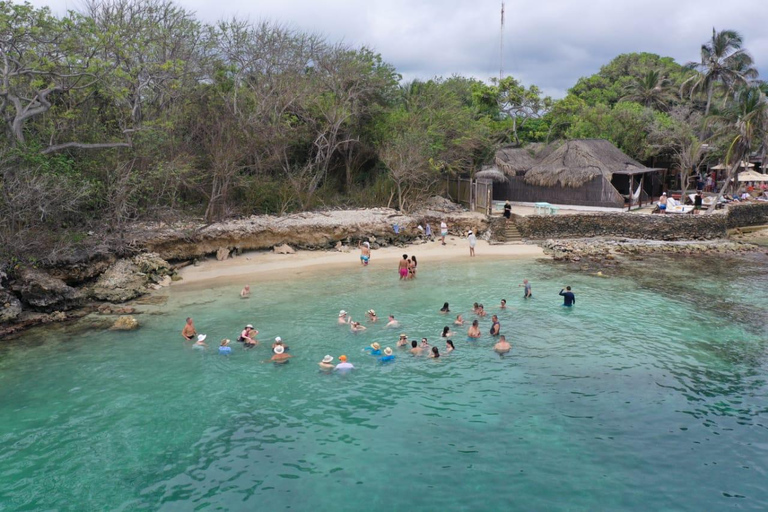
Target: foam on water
(641, 397)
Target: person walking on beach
(474, 330)
(189, 332)
(365, 253)
(697, 202)
(502, 346)
(472, 242)
(496, 326)
(527, 285)
(402, 267)
(428, 233)
(569, 299)
(663, 203)
(245, 292)
(443, 231)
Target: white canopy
(752, 176)
(722, 167)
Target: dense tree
(650, 90)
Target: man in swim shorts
(443, 231)
(527, 285)
(663, 203)
(402, 267)
(189, 332)
(569, 299)
(502, 346)
(496, 327)
(365, 253)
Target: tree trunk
(731, 174)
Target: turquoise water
(650, 394)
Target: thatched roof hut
(577, 162)
(491, 174)
(515, 161)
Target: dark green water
(649, 395)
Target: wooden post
(631, 186)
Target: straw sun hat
(387, 351)
(375, 346)
(327, 359)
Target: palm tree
(723, 62)
(750, 125)
(651, 90)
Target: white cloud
(550, 43)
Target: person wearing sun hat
(374, 349)
(403, 341)
(388, 356)
(224, 348)
(200, 343)
(248, 336)
(371, 315)
(343, 320)
(280, 357)
(344, 366)
(326, 363)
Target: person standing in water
(472, 243)
(343, 319)
(402, 267)
(388, 356)
(224, 348)
(445, 308)
(502, 346)
(503, 304)
(474, 330)
(416, 350)
(449, 346)
(496, 326)
(245, 292)
(569, 299)
(527, 285)
(343, 366)
(443, 231)
(435, 353)
(280, 356)
(326, 364)
(391, 322)
(189, 332)
(412, 268)
(365, 253)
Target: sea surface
(649, 394)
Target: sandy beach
(270, 266)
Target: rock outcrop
(284, 249)
(10, 306)
(44, 292)
(128, 278)
(125, 323)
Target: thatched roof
(493, 174)
(512, 160)
(580, 161)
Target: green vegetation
(135, 110)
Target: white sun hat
(201, 337)
(279, 349)
(278, 340)
(327, 359)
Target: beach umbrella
(722, 167)
(752, 176)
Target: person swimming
(392, 322)
(502, 346)
(371, 316)
(446, 332)
(459, 320)
(374, 349)
(503, 304)
(475, 307)
(474, 330)
(481, 311)
(449, 347)
(569, 299)
(224, 348)
(435, 353)
(388, 357)
(245, 292)
(445, 308)
(357, 326)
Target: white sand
(270, 266)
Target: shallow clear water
(642, 397)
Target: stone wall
(748, 214)
(639, 226)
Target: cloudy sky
(550, 43)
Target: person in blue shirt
(224, 348)
(374, 349)
(569, 299)
(388, 357)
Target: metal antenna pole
(501, 44)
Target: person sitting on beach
(445, 308)
(402, 267)
(365, 253)
(280, 356)
(356, 326)
(200, 343)
(391, 322)
(527, 285)
(443, 231)
(374, 349)
(449, 346)
(503, 304)
(446, 332)
(502, 346)
(435, 353)
(472, 239)
(343, 319)
(416, 350)
(388, 357)
(459, 320)
(496, 326)
(481, 311)
(474, 330)
(224, 348)
(343, 366)
(371, 316)
(189, 332)
(248, 336)
(326, 363)
(569, 299)
(403, 341)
